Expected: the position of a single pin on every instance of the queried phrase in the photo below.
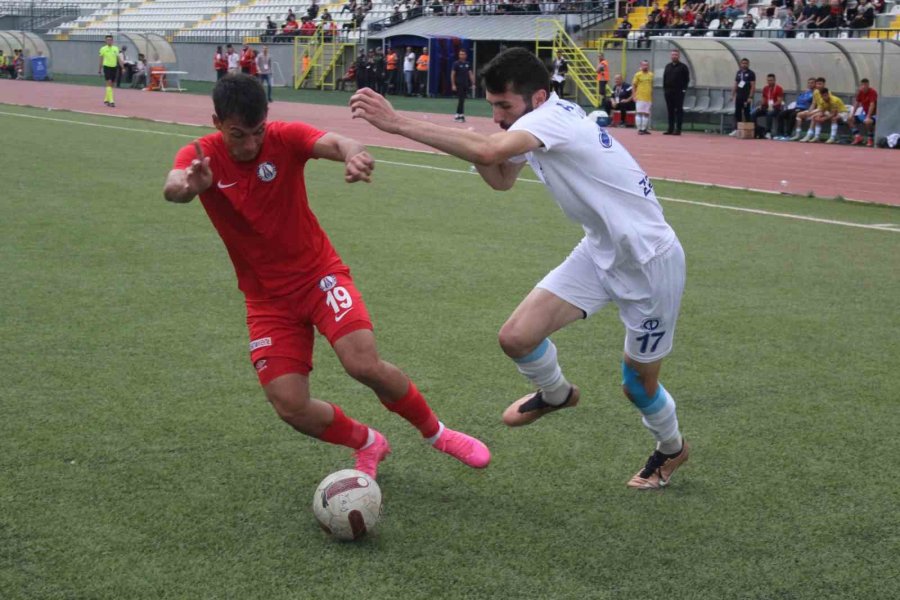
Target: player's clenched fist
(359, 167)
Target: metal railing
(640, 38)
(39, 16)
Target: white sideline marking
(892, 227)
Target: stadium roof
(501, 28)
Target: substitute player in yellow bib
(643, 97)
(831, 109)
(110, 62)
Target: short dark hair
(772, 75)
(517, 69)
(823, 92)
(864, 80)
(747, 60)
(818, 79)
(242, 96)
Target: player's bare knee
(291, 407)
(514, 341)
(364, 367)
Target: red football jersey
(866, 98)
(261, 211)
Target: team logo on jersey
(605, 139)
(266, 172)
(260, 343)
(260, 365)
(327, 282)
(650, 324)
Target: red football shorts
(281, 329)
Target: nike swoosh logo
(223, 186)
(342, 315)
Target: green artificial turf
(139, 459)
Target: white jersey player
(629, 255)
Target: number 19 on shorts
(339, 299)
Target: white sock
(663, 424)
(436, 436)
(818, 130)
(834, 128)
(541, 368)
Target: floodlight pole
(226, 21)
(118, 19)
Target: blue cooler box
(39, 68)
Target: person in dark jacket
(676, 78)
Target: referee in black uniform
(462, 79)
(676, 78)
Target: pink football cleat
(464, 448)
(367, 459)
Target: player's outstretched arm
(356, 158)
(183, 184)
(468, 145)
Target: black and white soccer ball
(347, 504)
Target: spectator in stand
(234, 61)
(139, 80)
(742, 93)
(246, 59)
(623, 29)
(676, 79)
(264, 70)
(748, 27)
(349, 7)
(397, 16)
(643, 96)
(801, 104)
(602, 73)
(290, 27)
(409, 69)
(865, 17)
(771, 106)
(313, 11)
(271, 28)
(558, 77)
(734, 8)
(621, 99)
(809, 114)
(220, 63)
(832, 110)
(808, 16)
(789, 25)
(828, 18)
(422, 73)
(864, 112)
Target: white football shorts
(648, 295)
(642, 107)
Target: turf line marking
(755, 211)
(101, 125)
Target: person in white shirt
(139, 80)
(409, 69)
(629, 255)
(264, 70)
(234, 61)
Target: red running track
(855, 173)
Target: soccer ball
(347, 504)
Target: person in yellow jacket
(110, 63)
(832, 109)
(421, 84)
(642, 84)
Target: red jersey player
(249, 177)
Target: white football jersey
(597, 184)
